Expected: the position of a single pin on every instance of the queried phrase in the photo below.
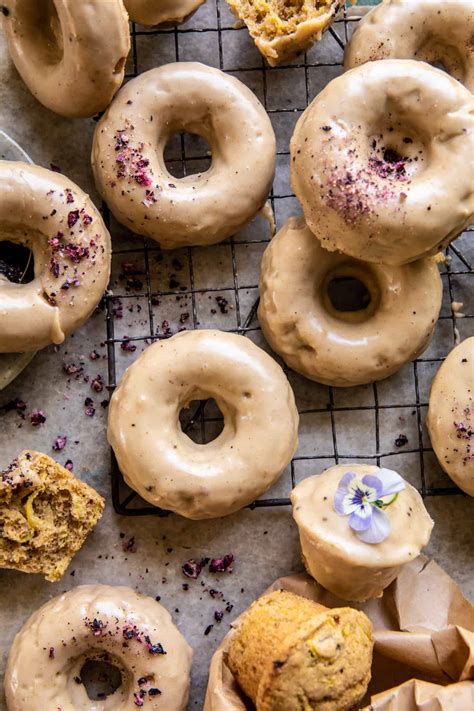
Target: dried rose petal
(192, 569)
(127, 346)
(72, 369)
(72, 218)
(222, 565)
(37, 418)
(59, 443)
(97, 384)
(15, 404)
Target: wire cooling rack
(333, 420)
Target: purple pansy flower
(363, 500)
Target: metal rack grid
(126, 502)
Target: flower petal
(378, 529)
(392, 482)
(341, 493)
(360, 519)
(374, 482)
(347, 478)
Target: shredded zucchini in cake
(271, 18)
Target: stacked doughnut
(378, 162)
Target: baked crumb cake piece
(46, 515)
(284, 28)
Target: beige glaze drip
(267, 213)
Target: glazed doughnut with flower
(433, 31)
(115, 625)
(200, 209)
(47, 213)
(158, 12)
(389, 321)
(451, 415)
(358, 525)
(70, 54)
(161, 463)
(379, 161)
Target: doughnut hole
(351, 294)
(202, 421)
(101, 678)
(436, 52)
(187, 154)
(41, 31)
(397, 151)
(16, 263)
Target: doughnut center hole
(187, 154)
(348, 294)
(17, 263)
(396, 153)
(41, 29)
(100, 679)
(202, 421)
(440, 55)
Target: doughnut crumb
(284, 28)
(45, 515)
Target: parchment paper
(423, 629)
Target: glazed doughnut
(343, 347)
(98, 623)
(152, 13)
(70, 54)
(47, 213)
(451, 415)
(434, 31)
(378, 161)
(130, 171)
(165, 466)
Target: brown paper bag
(424, 644)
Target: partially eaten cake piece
(46, 515)
(283, 29)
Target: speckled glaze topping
(451, 415)
(164, 465)
(343, 348)
(333, 552)
(378, 161)
(433, 31)
(99, 622)
(158, 12)
(70, 54)
(130, 139)
(47, 213)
